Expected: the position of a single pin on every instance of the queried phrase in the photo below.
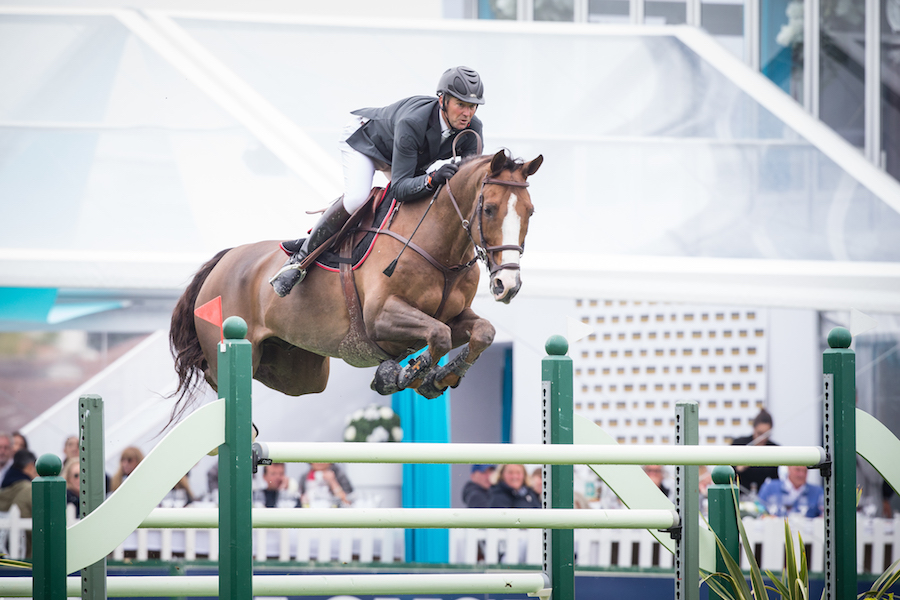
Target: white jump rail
(420, 453)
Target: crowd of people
(768, 490)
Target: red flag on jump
(212, 312)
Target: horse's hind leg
(466, 327)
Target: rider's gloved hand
(441, 176)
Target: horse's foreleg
(400, 321)
(467, 327)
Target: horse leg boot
(291, 273)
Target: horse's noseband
(483, 251)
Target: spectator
(18, 491)
(325, 483)
(477, 492)
(6, 454)
(181, 494)
(276, 492)
(751, 479)
(72, 473)
(511, 490)
(792, 495)
(537, 480)
(131, 458)
(19, 442)
(70, 448)
(656, 473)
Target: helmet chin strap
(446, 116)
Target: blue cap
(476, 468)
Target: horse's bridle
(482, 251)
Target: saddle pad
(330, 260)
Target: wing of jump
(99, 533)
(637, 491)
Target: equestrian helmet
(462, 83)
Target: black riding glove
(441, 176)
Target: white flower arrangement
(373, 424)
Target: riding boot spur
(330, 223)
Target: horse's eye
(490, 211)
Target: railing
(878, 544)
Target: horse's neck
(452, 238)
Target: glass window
(665, 12)
(497, 9)
(781, 44)
(609, 11)
(842, 62)
(554, 10)
(890, 85)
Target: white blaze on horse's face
(506, 282)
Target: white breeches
(359, 169)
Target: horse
(365, 316)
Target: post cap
(556, 345)
(48, 465)
(722, 474)
(839, 337)
(235, 328)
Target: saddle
(360, 230)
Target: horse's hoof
(385, 380)
(429, 388)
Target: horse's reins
(389, 270)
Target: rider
(402, 140)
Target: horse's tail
(184, 344)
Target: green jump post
(556, 418)
(235, 465)
(722, 517)
(48, 493)
(839, 441)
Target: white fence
(878, 544)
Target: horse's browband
(505, 182)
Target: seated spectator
(537, 480)
(181, 494)
(751, 479)
(18, 491)
(276, 492)
(70, 448)
(477, 492)
(325, 483)
(656, 473)
(19, 442)
(6, 455)
(792, 495)
(72, 474)
(511, 490)
(130, 459)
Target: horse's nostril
(497, 286)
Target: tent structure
(135, 144)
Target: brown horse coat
(293, 337)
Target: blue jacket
(773, 493)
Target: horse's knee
(440, 342)
(482, 337)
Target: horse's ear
(498, 162)
(530, 168)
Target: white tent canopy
(135, 144)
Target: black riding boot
(291, 274)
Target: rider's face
(459, 114)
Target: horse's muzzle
(505, 285)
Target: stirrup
(286, 278)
